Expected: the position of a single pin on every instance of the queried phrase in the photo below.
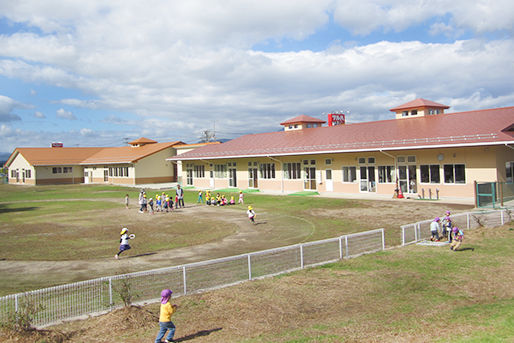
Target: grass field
(410, 294)
(51, 235)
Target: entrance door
(106, 175)
(211, 179)
(367, 179)
(17, 176)
(407, 179)
(86, 177)
(232, 174)
(253, 178)
(309, 182)
(23, 176)
(328, 179)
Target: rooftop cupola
(418, 108)
(141, 141)
(302, 122)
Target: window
(509, 171)
(371, 160)
(13, 173)
(56, 170)
(292, 171)
(125, 171)
(405, 113)
(454, 173)
(349, 174)
(28, 173)
(362, 160)
(267, 170)
(328, 161)
(67, 169)
(401, 159)
(430, 173)
(110, 172)
(411, 159)
(385, 174)
(414, 112)
(220, 171)
(199, 171)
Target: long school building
(422, 151)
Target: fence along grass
(103, 294)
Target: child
(457, 240)
(123, 242)
(218, 199)
(232, 201)
(251, 214)
(200, 197)
(145, 203)
(241, 196)
(207, 195)
(150, 204)
(158, 203)
(126, 201)
(434, 229)
(213, 201)
(176, 201)
(207, 200)
(447, 227)
(163, 199)
(166, 202)
(165, 323)
(223, 200)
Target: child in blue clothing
(124, 245)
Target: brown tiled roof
(417, 104)
(302, 119)
(126, 154)
(442, 130)
(53, 156)
(88, 156)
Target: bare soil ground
(273, 230)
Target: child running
(124, 241)
(457, 239)
(200, 197)
(251, 214)
(165, 323)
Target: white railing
(103, 294)
(415, 232)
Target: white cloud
(7, 105)
(39, 115)
(62, 113)
(86, 132)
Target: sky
(102, 73)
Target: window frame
(349, 174)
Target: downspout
(282, 172)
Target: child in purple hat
(165, 323)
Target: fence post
(301, 256)
(501, 214)
(416, 232)
(110, 292)
(249, 267)
(184, 280)
(340, 248)
(403, 236)
(16, 303)
(383, 240)
(467, 219)
(346, 245)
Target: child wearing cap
(434, 229)
(165, 323)
(123, 242)
(241, 198)
(232, 201)
(457, 239)
(251, 214)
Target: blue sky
(87, 73)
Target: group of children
(163, 202)
(449, 232)
(218, 200)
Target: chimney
(336, 119)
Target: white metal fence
(102, 294)
(415, 232)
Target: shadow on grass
(198, 334)
(464, 249)
(4, 209)
(146, 254)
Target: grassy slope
(411, 294)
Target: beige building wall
(20, 165)
(481, 164)
(155, 167)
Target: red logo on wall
(336, 119)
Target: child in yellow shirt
(165, 323)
